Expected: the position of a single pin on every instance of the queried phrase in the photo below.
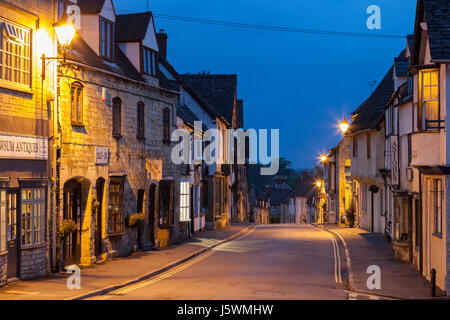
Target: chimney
(161, 37)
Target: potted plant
(350, 214)
(135, 220)
(66, 228)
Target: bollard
(433, 283)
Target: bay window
(429, 100)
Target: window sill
(15, 87)
(116, 234)
(34, 246)
(79, 125)
(437, 235)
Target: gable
(150, 36)
(108, 11)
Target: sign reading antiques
(395, 170)
(101, 155)
(29, 148)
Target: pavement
(399, 280)
(118, 272)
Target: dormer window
(106, 38)
(149, 61)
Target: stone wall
(33, 263)
(3, 268)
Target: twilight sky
(302, 84)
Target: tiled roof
(82, 53)
(191, 92)
(167, 83)
(186, 114)
(218, 91)
(91, 6)
(437, 13)
(132, 27)
(401, 65)
(371, 111)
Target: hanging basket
(135, 220)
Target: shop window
(76, 95)
(2, 220)
(184, 201)
(166, 199)
(116, 205)
(33, 216)
(15, 53)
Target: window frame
(185, 204)
(149, 61)
(368, 145)
(40, 220)
(355, 146)
(23, 58)
(423, 122)
(116, 218)
(140, 125)
(107, 45)
(437, 193)
(166, 125)
(78, 86)
(117, 117)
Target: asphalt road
(269, 262)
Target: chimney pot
(161, 38)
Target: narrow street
(269, 262)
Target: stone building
(26, 106)
(115, 177)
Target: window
(15, 53)
(117, 117)
(149, 61)
(436, 205)
(368, 145)
(221, 196)
(401, 223)
(409, 149)
(184, 201)
(166, 197)
(166, 125)
(140, 134)
(355, 146)
(2, 220)
(33, 216)
(76, 95)
(140, 201)
(204, 197)
(116, 205)
(106, 38)
(429, 111)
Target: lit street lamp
(323, 158)
(344, 125)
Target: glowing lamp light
(344, 125)
(65, 33)
(323, 158)
(319, 184)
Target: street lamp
(344, 125)
(319, 184)
(323, 158)
(64, 33)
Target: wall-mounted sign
(101, 155)
(395, 170)
(28, 148)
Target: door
(151, 213)
(72, 210)
(13, 234)
(98, 218)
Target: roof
(410, 39)
(166, 83)
(217, 90)
(91, 6)
(186, 87)
(132, 27)
(188, 116)
(81, 52)
(371, 111)
(437, 13)
(401, 65)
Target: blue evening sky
(302, 84)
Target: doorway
(13, 234)
(72, 211)
(151, 213)
(100, 185)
